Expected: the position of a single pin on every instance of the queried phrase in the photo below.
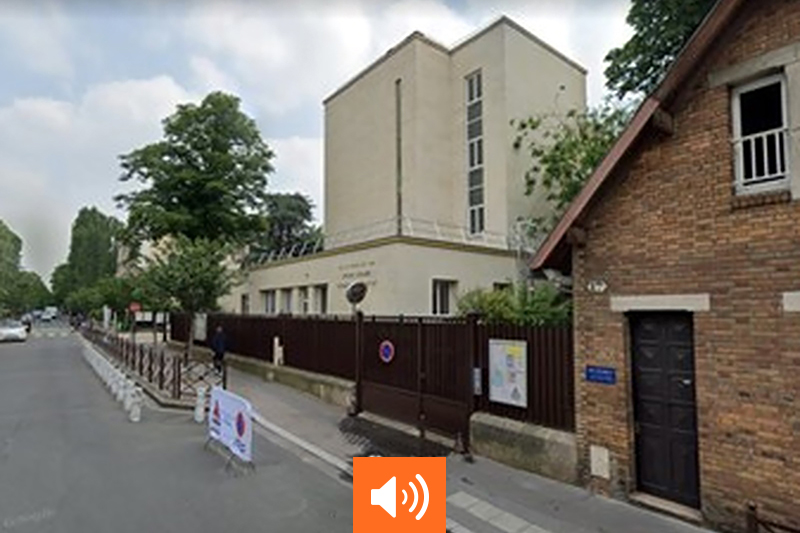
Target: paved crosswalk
(49, 334)
(489, 514)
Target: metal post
(161, 371)
(177, 378)
(420, 382)
(359, 326)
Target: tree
(10, 252)
(521, 305)
(660, 30)
(63, 283)
(565, 151)
(206, 179)
(194, 274)
(93, 247)
(288, 220)
(85, 300)
(116, 293)
(27, 291)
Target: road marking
(33, 518)
(495, 516)
(455, 527)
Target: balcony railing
(761, 157)
(411, 227)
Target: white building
(423, 188)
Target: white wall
(399, 276)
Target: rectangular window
(321, 299)
(475, 177)
(304, 303)
(269, 302)
(442, 291)
(245, 304)
(760, 135)
(286, 300)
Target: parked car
(13, 330)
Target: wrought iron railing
(759, 524)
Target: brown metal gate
(427, 383)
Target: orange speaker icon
(411, 497)
(386, 497)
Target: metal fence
(171, 375)
(435, 358)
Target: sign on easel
(230, 422)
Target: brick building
(684, 249)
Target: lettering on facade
(358, 271)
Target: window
(321, 299)
(759, 135)
(442, 289)
(269, 302)
(304, 300)
(245, 304)
(286, 300)
(475, 196)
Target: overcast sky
(86, 80)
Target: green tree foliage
(288, 222)
(85, 300)
(521, 305)
(62, 283)
(565, 152)
(93, 247)
(27, 291)
(193, 274)
(206, 178)
(116, 292)
(10, 253)
(660, 30)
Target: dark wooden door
(665, 412)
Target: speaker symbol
(386, 497)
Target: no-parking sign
(231, 423)
(386, 351)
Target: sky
(84, 81)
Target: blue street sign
(601, 374)
(386, 351)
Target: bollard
(120, 388)
(128, 396)
(135, 414)
(200, 405)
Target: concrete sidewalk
(483, 496)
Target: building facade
(423, 189)
(685, 256)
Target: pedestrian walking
(218, 345)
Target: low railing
(757, 524)
(410, 227)
(171, 374)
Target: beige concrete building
(423, 189)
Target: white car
(13, 330)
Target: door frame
(633, 481)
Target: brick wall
(668, 223)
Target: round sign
(356, 292)
(241, 425)
(386, 351)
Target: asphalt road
(71, 462)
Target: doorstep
(666, 506)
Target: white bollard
(120, 388)
(128, 397)
(135, 414)
(200, 405)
